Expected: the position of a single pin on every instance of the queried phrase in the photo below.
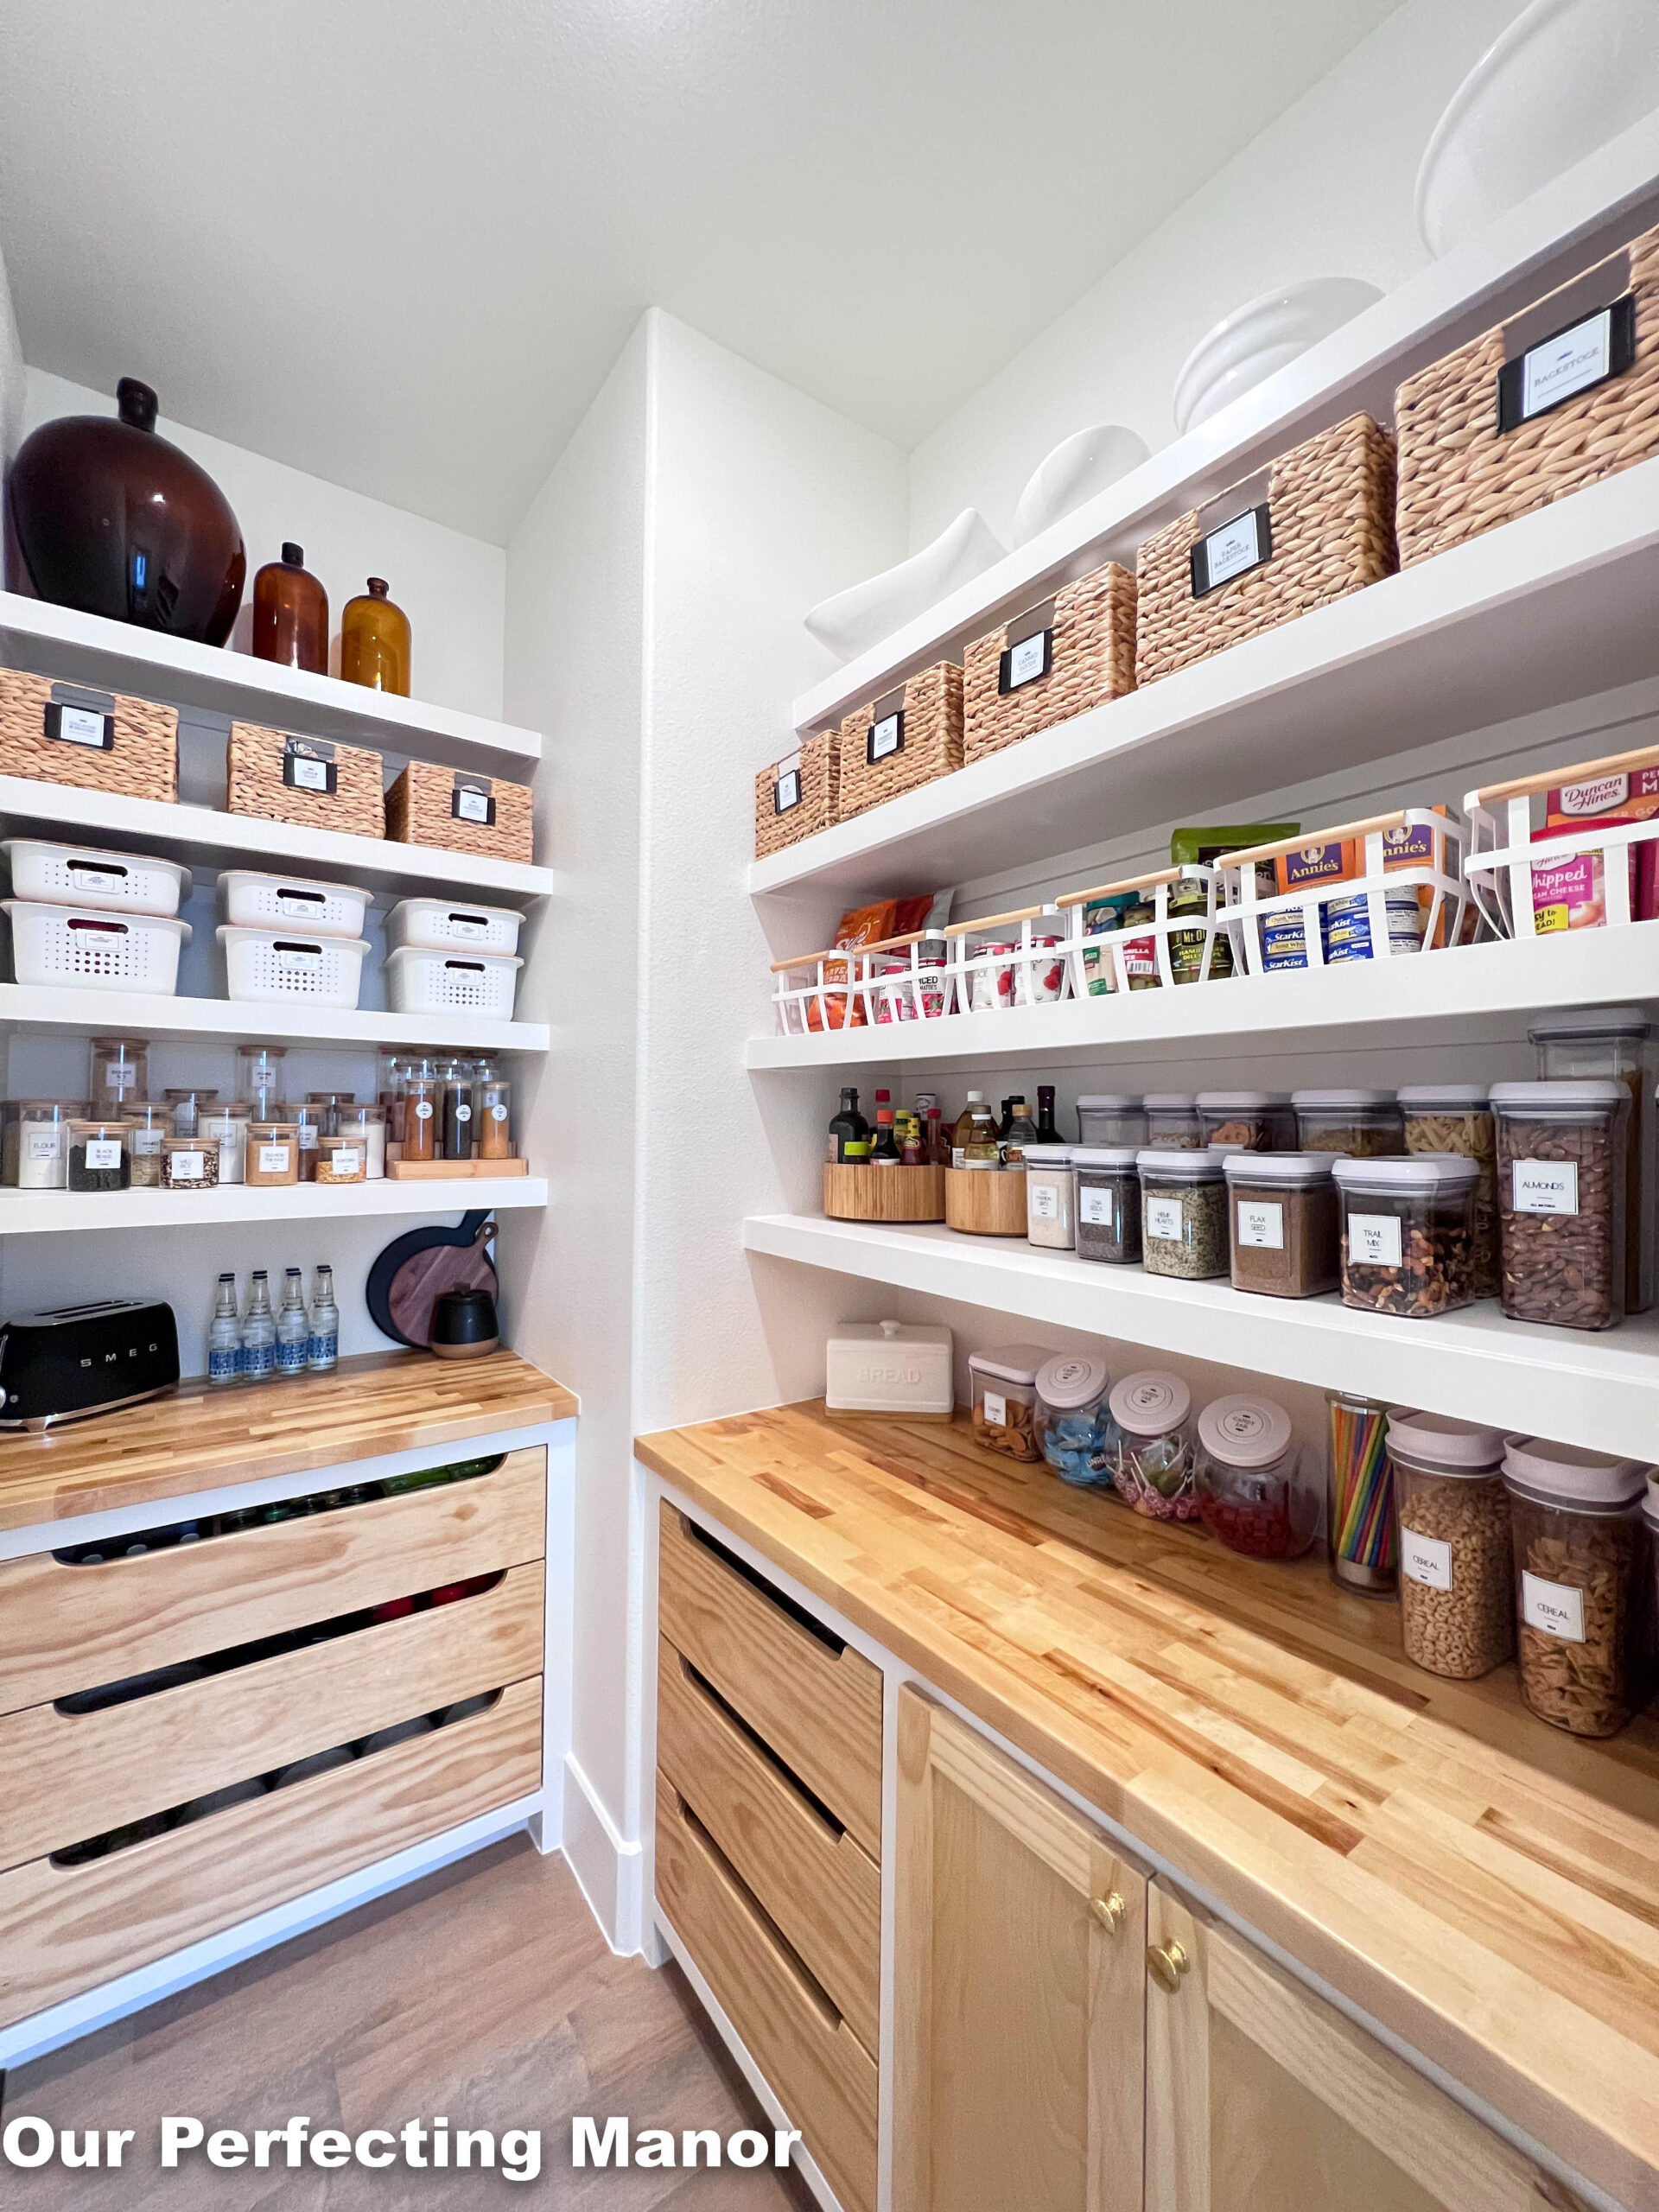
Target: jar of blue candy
(1075, 1428)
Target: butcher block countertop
(197, 1439)
(1483, 1885)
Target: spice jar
(1599, 1042)
(226, 1126)
(1075, 1430)
(1457, 1593)
(152, 1121)
(1112, 1117)
(98, 1156)
(339, 1159)
(1173, 1121)
(120, 1073)
(1361, 1124)
(1051, 1197)
(1583, 1584)
(273, 1154)
(36, 1150)
(422, 1096)
(456, 1120)
(493, 1113)
(262, 1078)
(365, 1128)
(1183, 1214)
(189, 1164)
(1562, 1157)
(311, 1121)
(1456, 1117)
(1004, 1402)
(1155, 1471)
(389, 1092)
(1408, 1233)
(1261, 1121)
(1257, 1490)
(1108, 1203)
(1285, 1240)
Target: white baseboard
(609, 1871)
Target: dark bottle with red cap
(291, 614)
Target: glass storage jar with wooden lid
(226, 1126)
(262, 1078)
(188, 1103)
(189, 1163)
(312, 1123)
(36, 1146)
(120, 1073)
(100, 1156)
(423, 1100)
(273, 1155)
(152, 1124)
(492, 1113)
(340, 1159)
(362, 1126)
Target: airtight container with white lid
(1075, 1429)
(1004, 1406)
(1112, 1117)
(1155, 1471)
(889, 1367)
(1256, 1490)
(1583, 1583)
(1260, 1121)
(1361, 1124)
(1051, 1197)
(1457, 1592)
(1173, 1120)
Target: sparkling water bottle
(293, 1329)
(224, 1335)
(258, 1332)
(324, 1349)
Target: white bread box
(890, 1367)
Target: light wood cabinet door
(1018, 1988)
(1261, 2097)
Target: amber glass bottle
(291, 614)
(374, 641)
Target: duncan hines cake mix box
(1571, 894)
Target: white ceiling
(399, 243)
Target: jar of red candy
(1256, 1490)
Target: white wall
(1324, 191)
(12, 372)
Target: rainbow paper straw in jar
(1360, 1533)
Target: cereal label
(1426, 1560)
(1553, 1608)
(1544, 1185)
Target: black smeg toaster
(75, 1360)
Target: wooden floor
(484, 1993)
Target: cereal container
(1583, 1584)
(1112, 1117)
(1261, 1121)
(1257, 1490)
(1173, 1121)
(1562, 1157)
(1075, 1430)
(1183, 1214)
(1456, 1117)
(1283, 1235)
(1362, 1124)
(1108, 1203)
(1407, 1234)
(1457, 1594)
(1051, 1197)
(1155, 1471)
(1004, 1404)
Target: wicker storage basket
(1316, 524)
(463, 812)
(99, 740)
(906, 737)
(1556, 398)
(1058, 659)
(320, 785)
(798, 795)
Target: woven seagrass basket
(1484, 440)
(462, 812)
(1057, 660)
(321, 785)
(906, 737)
(98, 741)
(798, 795)
(1315, 525)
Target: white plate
(1247, 345)
(1565, 76)
(855, 619)
(1085, 463)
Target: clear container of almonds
(1112, 1117)
(1260, 1121)
(273, 1154)
(36, 1149)
(1407, 1228)
(1003, 1406)
(1051, 1197)
(1075, 1430)
(1456, 1117)
(1173, 1121)
(1590, 1042)
(1183, 1214)
(1583, 1584)
(1156, 1470)
(1562, 1159)
(1457, 1575)
(1284, 1236)
(1361, 1124)
(1108, 1203)
(1258, 1490)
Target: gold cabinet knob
(1168, 1962)
(1110, 1911)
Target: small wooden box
(883, 1193)
(799, 795)
(98, 741)
(986, 1201)
(461, 812)
(311, 781)
(1072, 652)
(908, 737)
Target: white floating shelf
(33, 1007)
(32, 1213)
(1556, 606)
(207, 840)
(1601, 1390)
(1589, 210)
(60, 642)
(1483, 992)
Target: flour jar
(37, 1142)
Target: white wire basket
(1404, 891)
(78, 875)
(66, 946)
(451, 925)
(254, 901)
(1192, 946)
(898, 979)
(1004, 961)
(1600, 872)
(420, 980)
(270, 964)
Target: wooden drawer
(821, 2074)
(70, 1627)
(63, 1929)
(821, 1888)
(65, 1778)
(814, 1701)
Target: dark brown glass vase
(291, 614)
(112, 520)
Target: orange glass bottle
(291, 614)
(374, 641)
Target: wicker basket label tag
(470, 800)
(786, 789)
(1031, 658)
(885, 738)
(1238, 546)
(81, 726)
(1566, 363)
(308, 765)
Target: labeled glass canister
(311, 1121)
(341, 1157)
(1257, 1494)
(37, 1142)
(100, 1156)
(151, 1124)
(189, 1163)
(273, 1155)
(363, 1128)
(120, 1073)
(226, 1126)
(1051, 1197)
(1457, 1595)
(1108, 1203)
(492, 1114)
(1183, 1214)
(1408, 1233)
(455, 1135)
(1583, 1584)
(1563, 1155)
(1456, 1117)
(1285, 1241)
(187, 1104)
(262, 1078)
(423, 1098)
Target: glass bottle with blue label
(224, 1335)
(293, 1327)
(258, 1332)
(323, 1348)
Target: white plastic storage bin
(451, 925)
(79, 875)
(274, 964)
(253, 901)
(422, 982)
(64, 944)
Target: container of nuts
(1407, 1234)
(1456, 1117)
(1583, 1584)
(1004, 1400)
(1457, 1594)
(1562, 1159)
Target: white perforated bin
(67, 944)
(276, 964)
(79, 875)
(421, 982)
(450, 924)
(253, 901)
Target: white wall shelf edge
(30, 1008)
(32, 1213)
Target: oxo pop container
(1257, 1491)
(1456, 1598)
(1075, 1429)
(1563, 1156)
(1156, 1471)
(1004, 1384)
